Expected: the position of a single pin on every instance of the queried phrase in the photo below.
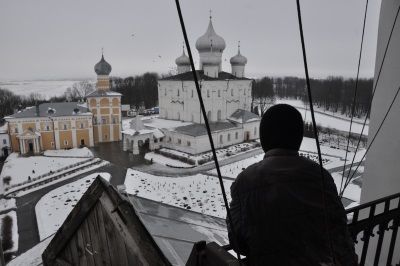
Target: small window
(103, 121)
(169, 139)
(114, 120)
(231, 92)
(188, 143)
(16, 130)
(47, 128)
(65, 142)
(165, 92)
(229, 137)
(178, 92)
(208, 93)
(179, 141)
(65, 126)
(221, 138)
(255, 131)
(81, 125)
(192, 93)
(236, 135)
(4, 141)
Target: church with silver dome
(226, 96)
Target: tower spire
(238, 47)
(210, 14)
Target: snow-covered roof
(103, 93)
(164, 123)
(53, 110)
(242, 116)
(200, 129)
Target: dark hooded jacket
(281, 217)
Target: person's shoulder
(250, 170)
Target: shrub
(6, 233)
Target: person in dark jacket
(283, 212)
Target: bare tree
(79, 91)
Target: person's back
(278, 208)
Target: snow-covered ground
(200, 193)
(339, 122)
(6, 204)
(33, 256)
(158, 158)
(21, 168)
(47, 88)
(15, 235)
(53, 208)
(75, 152)
(63, 178)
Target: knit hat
(281, 127)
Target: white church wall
(253, 129)
(178, 99)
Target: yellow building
(50, 126)
(105, 106)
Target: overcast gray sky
(47, 39)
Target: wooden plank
(136, 236)
(94, 236)
(104, 250)
(89, 253)
(74, 251)
(81, 248)
(118, 256)
(73, 221)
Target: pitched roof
(201, 76)
(53, 110)
(103, 93)
(200, 129)
(103, 226)
(242, 116)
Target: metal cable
(203, 110)
(373, 139)
(372, 96)
(355, 95)
(323, 185)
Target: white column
(91, 139)
(125, 143)
(135, 147)
(73, 127)
(21, 149)
(111, 127)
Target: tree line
(138, 91)
(334, 94)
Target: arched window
(179, 116)
(208, 93)
(219, 93)
(236, 135)
(209, 115)
(192, 93)
(255, 131)
(178, 92)
(229, 137)
(219, 115)
(231, 92)
(221, 138)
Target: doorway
(30, 144)
(82, 142)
